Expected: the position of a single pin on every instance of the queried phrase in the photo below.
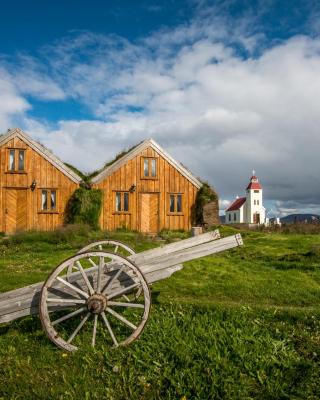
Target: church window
(229, 217)
(234, 216)
(257, 202)
(256, 191)
(254, 202)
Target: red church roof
(254, 183)
(237, 204)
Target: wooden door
(256, 218)
(149, 212)
(15, 212)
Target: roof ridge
(136, 150)
(44, 151)
(236, 204)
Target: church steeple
(254, 183)
(255, 212)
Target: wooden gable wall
(150, 200)
(20, 206)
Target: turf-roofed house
(147, 190)
(35, 185)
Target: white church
(249, 209)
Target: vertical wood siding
(169, 180)
(17, 185)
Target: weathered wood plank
(30, 304)
(190, 254)
(173, 247)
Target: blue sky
(224, 86)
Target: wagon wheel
(108, 245)
(92, 302)
(114, 246)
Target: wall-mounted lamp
(133, 188)
(33, 185)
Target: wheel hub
(97, 303)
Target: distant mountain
(289, 219)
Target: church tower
(255, 212)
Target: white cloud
(12, 104)
(219, 113)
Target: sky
(226, 87)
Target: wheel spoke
(75, 332)
(94, 334)
(120, 304)
(121, 318)
(70, 270)
(84, 294)
(85, 278)
(122, 291)
(100, 247)
(109, 284)
(66, 301)
(92, 262)
(67, 316)
(104, 317)
(101, 265)
(116, 249)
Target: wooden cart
(104, 292)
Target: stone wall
(211, 214)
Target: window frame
(150, 161)
(175, 203)
(49, 192)
(123, 194)
(16, 160)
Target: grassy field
(243, 324)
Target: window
(21, 160)
(153, 167)
(254, 202)
(11, 160)
(149, 167)
(175, 203)
(146, 167)
(229, 217)
(256, 191)
(234, 216)
(257, 202)
(48, 200)
(16, 160)
(172, 202)
(122, 202)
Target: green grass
(243, 324)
